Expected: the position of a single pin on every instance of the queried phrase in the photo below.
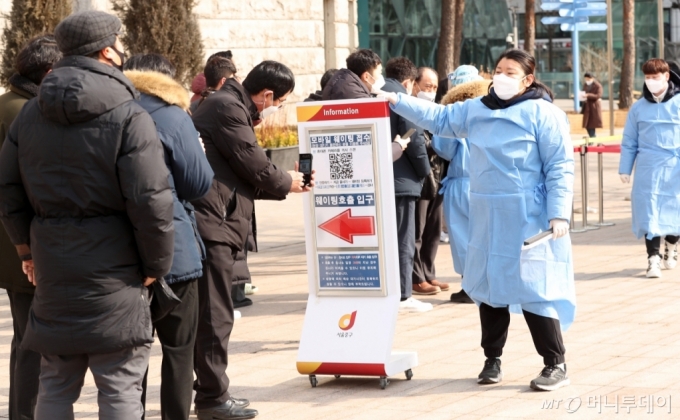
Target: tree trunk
(628, 65)
(529, 26)
(446, 48)
(458, 26)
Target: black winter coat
(20, 91)
(414, 165)
(345, 85)
(83, 181)
(242, 171)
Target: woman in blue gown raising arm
(521, 183)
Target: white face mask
(506, 87)
(379, 82)
(270, 110)
(656, 86)
(589, 82)
(427, 96)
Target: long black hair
(528, 64)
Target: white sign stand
(352, 255)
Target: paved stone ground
(624, 343)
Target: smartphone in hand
(305, 167)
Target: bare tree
(628, 65)
(529, 25)
(447, 33)
(458, 27)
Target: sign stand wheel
(384, 382)
(409, 374)
(313, 381)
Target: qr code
(341, 165)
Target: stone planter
(284, 158)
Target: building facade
(411, 28)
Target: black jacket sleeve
(416, 152)
(190, 168)
(143, 179)
(239, 146)
(16, 211)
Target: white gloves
(625, 178)
(402, 142)
(560, 228)
(390, 96)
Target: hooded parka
(83, 182)
(190, 173)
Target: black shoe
(491, 374)
(227, 411)
(242, 303)
(240, 402)
(461, 297)
(551, 378)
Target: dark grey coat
(242, 171)
(83, 181)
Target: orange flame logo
(347, 321)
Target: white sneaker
(414, 305)
(670, 256)
(237, 315)
(654, 269)
(250, 289)
(444, 238)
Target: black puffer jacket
(83, 181)
(242, 171)
(345, 85)
(414, 165)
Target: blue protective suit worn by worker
(456, 185)
(651, 143)
(456, 191)
(521, 177)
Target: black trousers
(591, 132)
(406, 240)
(428, 227)
(24, 365)
(215, 322)
(177, 335)
(654, 244)
(545, 332)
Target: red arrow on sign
(345, 226)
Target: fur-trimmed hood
(161, 86)
(466, 91)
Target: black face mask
(122, 59)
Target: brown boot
(425, 288)
(443, 286)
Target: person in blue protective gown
(456, 184)
(651, 142)
(521, 184)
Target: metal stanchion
(600, 176)
(573, 230)
(584, 191)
